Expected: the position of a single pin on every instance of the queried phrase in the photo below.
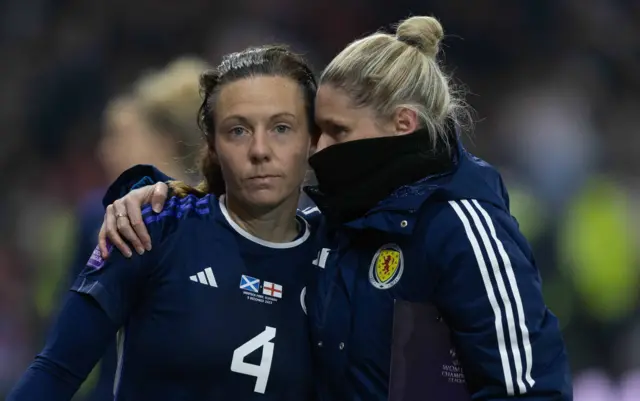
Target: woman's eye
(282, 129)
(338, 130)
(238, 131)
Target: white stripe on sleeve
(506, 301)
(488, 286)
(516, 294)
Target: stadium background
(555, 85)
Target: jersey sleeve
(118, 283)
(74, 345)
(90, 219)
(115, 283)
(489, 293)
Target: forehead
(260, 96)
(334, 106)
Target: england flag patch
(268, 293)
(272, 290)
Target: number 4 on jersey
(260, 372)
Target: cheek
(297, 160)
(366, 131)
(228, 161)
(298, 157)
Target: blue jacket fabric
(449, 241)
(135, 177)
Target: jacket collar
(358, 179)
(398, 213)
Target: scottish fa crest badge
(386, 267)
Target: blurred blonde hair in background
(156, 121)
(169, 100)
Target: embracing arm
(132, 178)
(137, 186)
(76, 343)
(489, 292)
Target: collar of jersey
(276, 245)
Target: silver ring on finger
(118, 215)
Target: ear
(405, 121)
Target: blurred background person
(155, 122)
(555, 86)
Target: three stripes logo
(205, 277)
(503, 294)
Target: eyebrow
(245, 120)
(235, 117)
(331, 121)
(283, 114)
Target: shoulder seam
(178, 208)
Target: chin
(266, 198)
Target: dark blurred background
(88, 88)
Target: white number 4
(260, 372)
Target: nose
(260, 148)
(324, 141)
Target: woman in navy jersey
(213, 311)
(412, 222)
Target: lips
(262, 177)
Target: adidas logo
(205, 277)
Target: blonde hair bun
(424, 33)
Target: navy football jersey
(211, 313)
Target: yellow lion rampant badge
(386, 267)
